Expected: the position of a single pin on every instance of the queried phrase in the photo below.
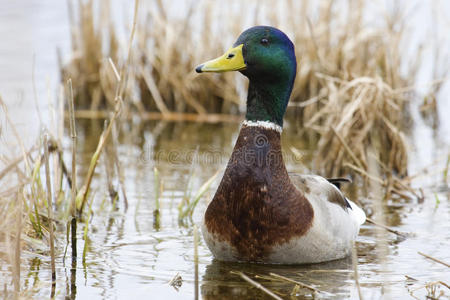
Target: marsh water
(132, 255)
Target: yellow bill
(232, 60)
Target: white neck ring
(263, 124)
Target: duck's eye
(230, 56)
(264, 41)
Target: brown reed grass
(26, 201)
(26, 210)
(348, 94)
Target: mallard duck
(259, 212)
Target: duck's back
(334, 228)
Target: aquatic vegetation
(188, 205)
(158, 189)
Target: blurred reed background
(353, 87)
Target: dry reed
(296, 282)
(50, 211)
(156, 211)
(348, 92)
(187, 207)
(355, 270)
(434, 259)
(26, 204)
(82, 195)
(24, 196)
(257, 285)
(17, 246)
(196, 241)
(73, 190)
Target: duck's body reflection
(333, 278)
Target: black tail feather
(337, 181)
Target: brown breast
(256, 206)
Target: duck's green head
(266, 56)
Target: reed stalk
(73, 136)
(188, 209)
(17, 246)
(301, 284)
(355, 270)
(156, 211)
(447, 165)
(35, 195)
(119, 169)
(257, 285)
(85, 234)
(109, 169)
(434, 259)
(382, 247)
(196, 240)
(50, 209)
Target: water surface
(129, 255)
